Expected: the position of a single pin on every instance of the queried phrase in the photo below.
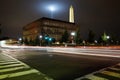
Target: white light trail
(85, 52)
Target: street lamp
(20, 40)
(40, 39)
(73, 33)
(108, 37)
(96, 41)
(73, 37)
(40, 36)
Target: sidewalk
(110, 73)
(13, 69)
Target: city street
(59, 40)
(66, 63)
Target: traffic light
(50, 39)
(46, 38)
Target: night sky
(95, 15)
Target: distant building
(46, 26)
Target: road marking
(116, 69)
(111, 73)
(7, 63)
(12, 69)
(22, 73)
(15, 60)
(106, 72)
(93, 77)
(3, 61)
(16, 68)
(119, 64)
(11, 65)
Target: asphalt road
(61, 66)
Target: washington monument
(71, 14)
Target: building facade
(46, 26)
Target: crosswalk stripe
(111, 73)
(7, 63)
(118, 64)
(2, 61)
(11, 65)
(18, 74)
(11, 69)
(93, 77)
(116, 69)
(16, 60)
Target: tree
(65, 37)
(26, 41)
(104, 37)
(91, 36)
(37, 41)
(100, 39)
(31, 42)
(54, 40)
(78, 39)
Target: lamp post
(20, 40)
(73, 37)
(108, 37)
(40, 39)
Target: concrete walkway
(13, 69)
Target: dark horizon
(98, 16)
